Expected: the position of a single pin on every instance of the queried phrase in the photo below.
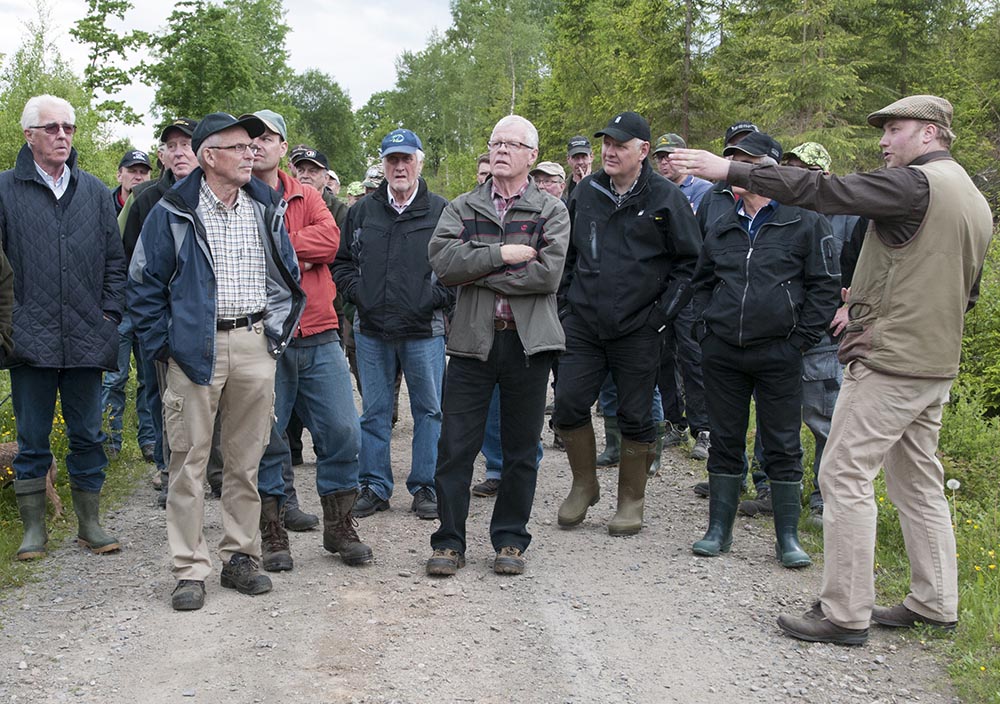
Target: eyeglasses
(511, 146)
(54, 127)
(239, 149)
(548, 181)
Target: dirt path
(594, 619)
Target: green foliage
(213, 57)
(107, 49)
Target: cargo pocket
(173, 422)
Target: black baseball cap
(133, 157)
(219, 121)
(625, 126)
(312, 155)
(184, 125)
(578, 145)
(756, 144)
(739, 128)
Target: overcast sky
(355, 42)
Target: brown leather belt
(500, 324)
(233, 323)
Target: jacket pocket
(173, 422)
(856, 343)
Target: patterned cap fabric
(355, 189)
(811, 154)
(915, 107)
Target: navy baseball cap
(400, 142)
(316, 157)
(184, 125)
(738, 129)
(219, 121)
(625, 126)
(133, 157)
(756, 144)
(578, 145)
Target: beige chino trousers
(242, 393)
(882, 420)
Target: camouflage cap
(915, 107)
(354, 188)
(810, 154)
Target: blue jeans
(113, 391)
(608, 400)
(491, 439)
(33, 391)
(316, 381)
(422, 362)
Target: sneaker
(241, 573)
(298, 520)
(675, 435)
(425, 504)
(445, 563)
(509, 560)
(899, 616)
(815, 627)
(701, 445)
(147, 452)
(368, 503)
(487, 487)
(188, 595)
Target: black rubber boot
(276, 554)
(90, 534)
(581, 451)
(612, 443)
(31, 505)
(786, 500)
(724, 496)
(339, 534)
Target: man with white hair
(213, 285)
(59, 233)
(382, 269)
(503, 244)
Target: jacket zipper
(746, 287)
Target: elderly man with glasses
(60, 235)
(213, 284)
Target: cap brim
(399, 149)
(579, 150)
(135, 163)
(737, 148)
(617, 134)
(268, 125)
(183, 130)
(668, 149)
(254, 126)
(301, 159)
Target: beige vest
(907, 304)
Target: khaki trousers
(242, 393)
(891, 421)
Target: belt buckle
(502, 325)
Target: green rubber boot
(633, 471)
(581, 451)
(723, 498)
(661, 433)
(786, 502)
(89, 533)
(612, 443)
(30, 495)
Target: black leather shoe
(241, 573)
(188, 595)
(368, 503)
(425, 504)
(487, 487)
(899, 616)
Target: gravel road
(594, 618)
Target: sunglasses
(54, 127)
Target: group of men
(234, 265)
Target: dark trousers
(33, 391)
(772, 372)
(468, 387)
(681, 353)
(632, 360)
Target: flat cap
(915, 107)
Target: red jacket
(315, 238)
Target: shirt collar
(400, 207)
(58, 185)
(209, 197)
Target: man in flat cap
(213, 285)
(928, 237)
(633, 247)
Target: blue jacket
(171, 286)
(69, 268)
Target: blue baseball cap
(400, 142)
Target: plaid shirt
(501, 309)
(237, 253)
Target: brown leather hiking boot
(276, 555)
(445, 562)
(339, 534)
(509, 560)
(813, 626)
(899, 616)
